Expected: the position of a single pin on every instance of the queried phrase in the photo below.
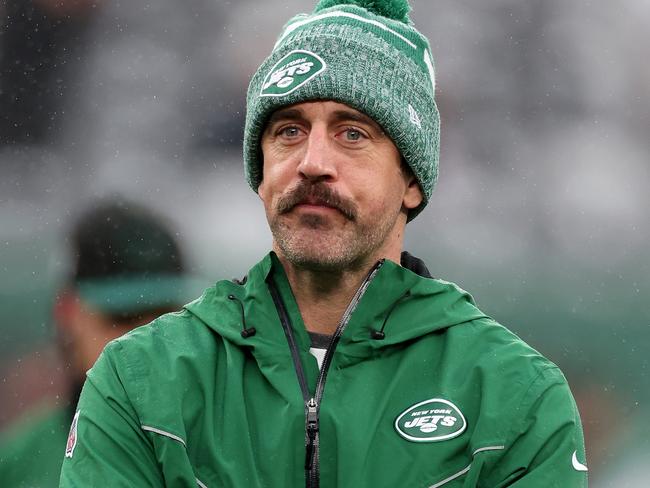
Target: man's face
(334, 190)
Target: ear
(413, 194)
(260, 190)
(262, 186)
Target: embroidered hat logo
(291, 72)
(431, 421)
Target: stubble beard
(317, 243)
(344, 239)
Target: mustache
(317, 194)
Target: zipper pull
(312, 429)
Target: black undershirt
(319, 341)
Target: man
(331, 364)
(127, 269)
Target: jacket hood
(400, 302)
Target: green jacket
(31, 452)
(423, 390)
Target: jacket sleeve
(106, 446)
(545, 447)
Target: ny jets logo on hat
(291, 72)
(431, 421)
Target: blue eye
(289, 131)
(353, 134)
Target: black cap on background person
(127, 269)
(127, 260)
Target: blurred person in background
(127, 269)
(338, 360)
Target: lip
(315, 207)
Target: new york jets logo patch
(431, 421)
(291, 72)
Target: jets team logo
(431, 421)
(291, 72)
(72, 437)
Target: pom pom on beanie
(392, 9)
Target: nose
(318, 160)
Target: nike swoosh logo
(577, 465)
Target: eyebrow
(284, 114)
(355, 116)
(337, 116)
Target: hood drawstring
(247, 331)
(379, 334)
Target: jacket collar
(406, 304)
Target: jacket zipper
(312, 403)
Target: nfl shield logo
(72, 437)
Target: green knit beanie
(366, 54)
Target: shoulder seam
(164, 433)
